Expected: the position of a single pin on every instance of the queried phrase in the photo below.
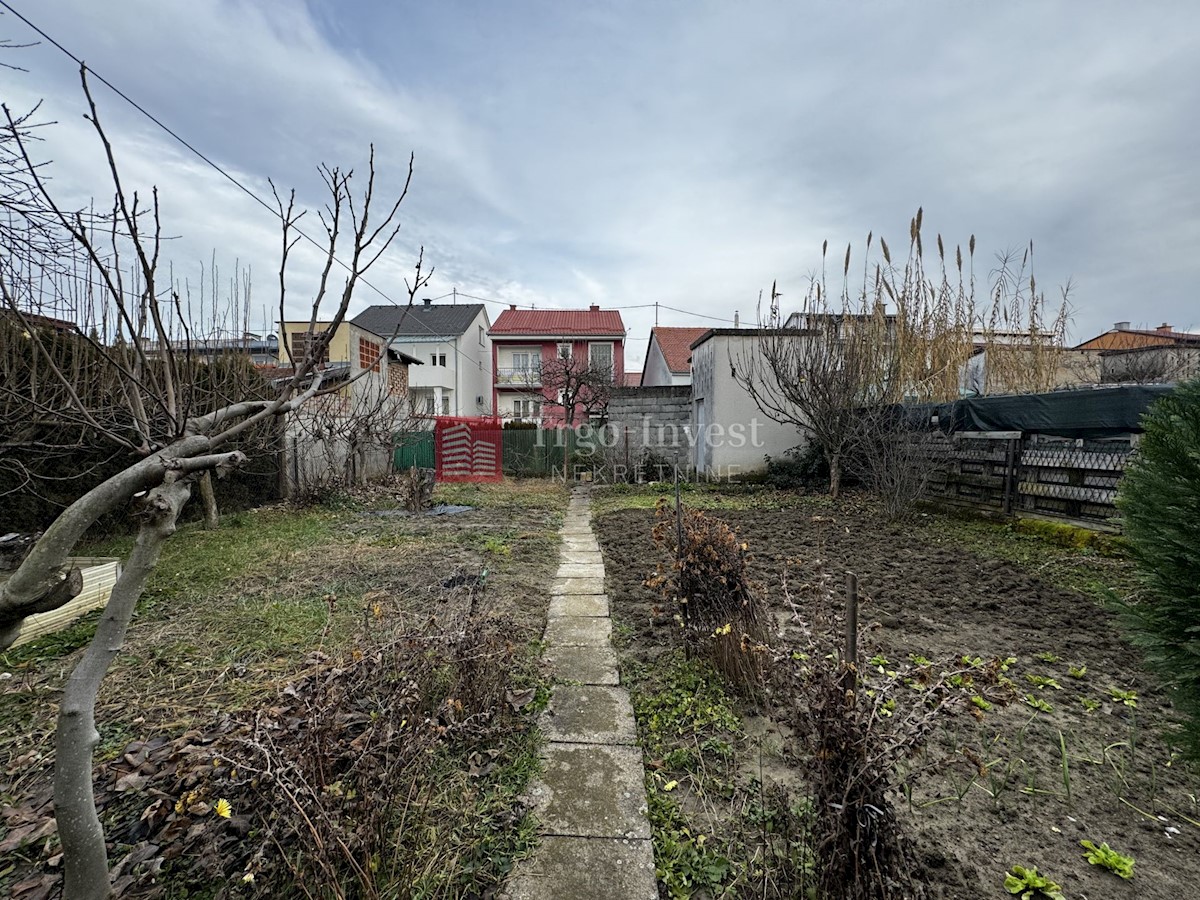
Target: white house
(451, 341)
(730, 434)
(668, 358)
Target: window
(442, 360)
(480, 335)
(600, 356)
(520, 361)
(433, 359)
(430, 409)
(368, 354)
(445, 406)
(527, 409)
(564, 350)
(301, 341)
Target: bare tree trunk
(212, 514)
(85, 857)
(835, 474)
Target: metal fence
(525, 452)
(1032, 474)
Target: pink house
(552, 365)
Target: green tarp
(1090, 413)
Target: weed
(1043, 681)
(1125, 698)
(980, 703)
(1038, 703)
(682, 862)
(1108, 858)
(1089, 705)
(1027, 883)
(917, 660)
(1048, 657)
(1077, 671)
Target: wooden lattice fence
(1031, 475)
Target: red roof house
(554, 366)
(669, 356)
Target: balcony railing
(525, 376)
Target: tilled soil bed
(929, 596)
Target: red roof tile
(675, 344)
(559, 322)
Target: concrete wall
(736, 436)
(651, 419)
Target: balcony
(519, 376)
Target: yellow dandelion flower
(223, 809)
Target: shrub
(1160, 502)
(719, 609)
(800, 467)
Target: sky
(688, 154)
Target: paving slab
(589, 714)
(578, 631)
(582, 868)
(587, 665)
(577, 586)
(591, 790)
(579, 605)
(574, 557)
(581, 570)
(579, 543)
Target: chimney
(736, 317)
(1120, 326)
(1164, 328)
(595, 307)
(512, 306)
(428, 303)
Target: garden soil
(926, 595)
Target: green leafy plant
(975, 662)
(1159, 495)
(980, 703)
(1125, 698)
(1007, 663)
(1029, 885)
(918, 660)
(1043, 681)
(1038, 703)
(1108, 858)
(1048, 657)
(1089, 704)
(1076, 671)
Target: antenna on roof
(455, 300)
(655, 313)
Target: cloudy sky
(685, 153)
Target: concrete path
(591, 797)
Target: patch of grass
(681, 699)
(1099, 575)
(703, 495)
(525, 493)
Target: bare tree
(578, 384)
(902, 336)
(130, 333)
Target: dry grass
(231, 616)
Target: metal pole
(851, 656)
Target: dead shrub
(718, 608)
(363, 779)
(853, 729)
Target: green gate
(414, 448)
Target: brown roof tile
(675, 344)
